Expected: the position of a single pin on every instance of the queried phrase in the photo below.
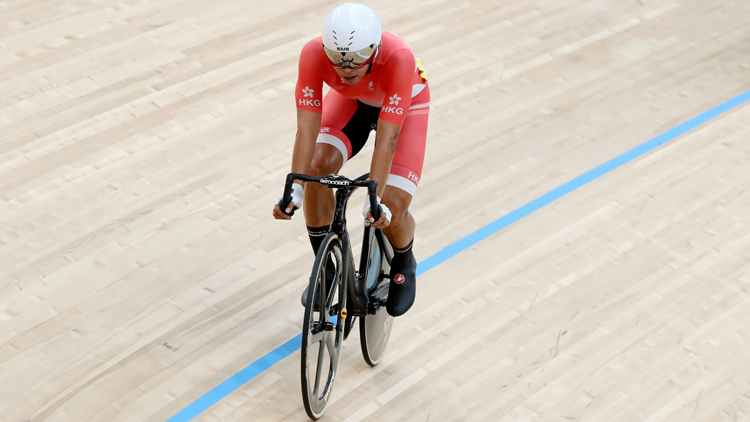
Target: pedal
(374, 306)
(325, 326)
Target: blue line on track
(576, 183)
(291, 346)
(222, 390)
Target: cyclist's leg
(318, 202)
(401, 231)
(345, 126)
(406, 170)
(332, 150)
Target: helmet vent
(359, 21)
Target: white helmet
(352, 35)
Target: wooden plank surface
(141, 143)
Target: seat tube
(357, 301)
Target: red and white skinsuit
(396, 85)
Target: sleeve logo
(309, 103)
(394, 101)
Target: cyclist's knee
(399, 217)
(322, 167)
(327, 160)
(399, 208)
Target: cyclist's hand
(279, 215)
(382, 223)
(385, 215)
(294, 204)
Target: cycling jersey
(384, 87)
(396, 87)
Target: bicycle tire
(317, 342)
(375, 330)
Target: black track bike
(338, 294)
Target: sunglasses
(354, 60)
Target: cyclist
(377, 83)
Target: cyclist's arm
(385, 146)
(308, 96)
(308, 125)
(398, 86)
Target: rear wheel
(375, 330)
(323, 327)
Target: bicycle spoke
(331, 342)
(320, 364)
(315, 338)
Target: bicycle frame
(361, 295)
(355, 281)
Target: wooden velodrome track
(142, 143)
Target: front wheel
(375, 330)
(323, 327)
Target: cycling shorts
(346, 124)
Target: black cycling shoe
(330, 274)
(403, 286)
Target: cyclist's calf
(401, 230)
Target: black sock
(404, 250)
(317, 234)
